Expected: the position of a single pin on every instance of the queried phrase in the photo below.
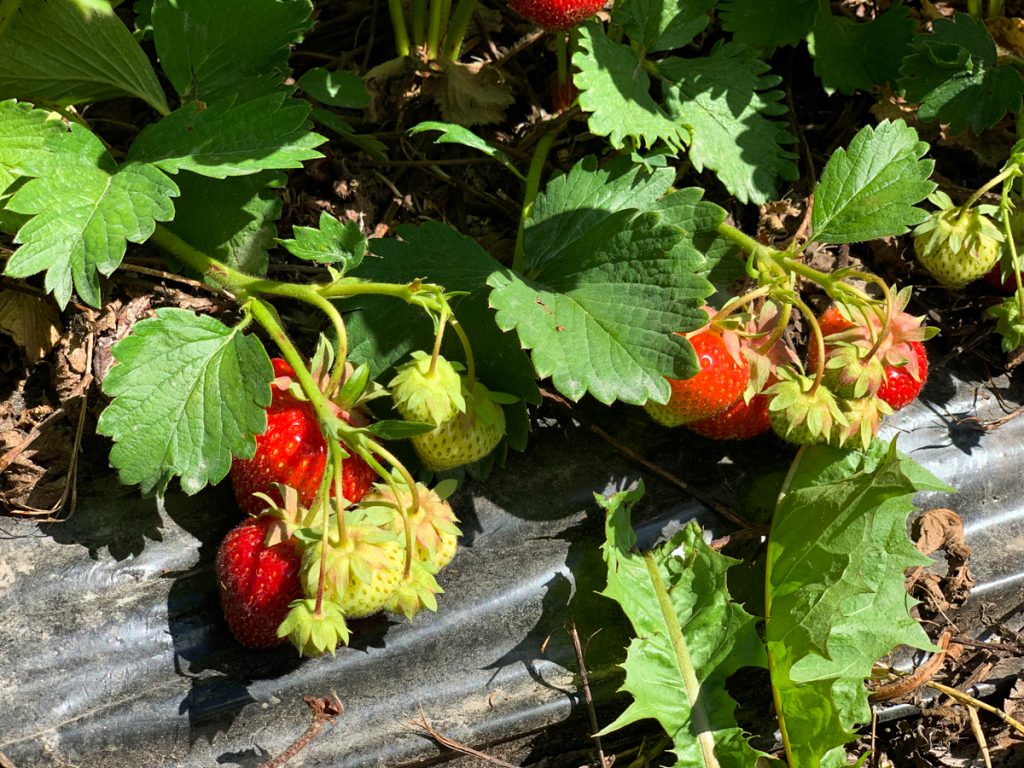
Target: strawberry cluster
(865, 360)
(304, 561)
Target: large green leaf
(58, 52)
(212, 50)
(956, 75)
(601, 319)
(24, 135)
(768, 24)
(231, 138)
(85, 209)
(730, 105)
(188, 394)
(835, 601)
(689, 638)
(851, 56)
(871, 189)
(574, 203)
(615, 91)
(230, 219)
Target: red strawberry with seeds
(556, 14)
(740, 421)
(293, 452)
(258, 576)
(900, 388)
(722, 377)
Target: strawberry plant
(348, 367)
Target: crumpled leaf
(835, 601)
(189, 393)
(472, 94)
(689, 638)
(32, 322)
(85, 209)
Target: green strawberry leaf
(386, 331)
(619, 294)
(457, 134)
(24, 135)
(690, 637)
(213, 51)
(870, 190)
(956, 76)
(768, 24)
(188, 394)
(615, 91)
(230, 219)
(843, 515)
(745, 147)
(340, 245)
(656, 25)
(57, 52)
(573, 203)
(85, 209)
(336, 88)
(231, 138)
(851, 56)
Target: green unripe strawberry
(956, 245)
(468, 421)
(802, 414)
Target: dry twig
(587, 698)
(457, 746)
(324, 710)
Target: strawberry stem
(540, 155)
(562, 59)
(419, 22)
(438, 338)
(470, 377)
(398, 25)
(738, 303)
(457, 28)
(434, 28)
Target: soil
(51, 367)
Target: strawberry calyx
(314, 629)
(802, 413)
(864, 417)
(957, 244)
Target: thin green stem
(419, 22)
(779, 709)
(743, 240)
(438, 338)
(467, 349)
(739, 302)
(457, 28)
(540, 154)
(341, 354)
(434, 29)
(397, 14)
(562, 58)
(780, 328)
(1007, 173)
(816, 338)
(405, 513)
(974, 8)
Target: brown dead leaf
(1008, 32)
(942, 529)
(471, 94)
(33, 322)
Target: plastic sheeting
(113, 651)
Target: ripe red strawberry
(740, 421)
(257, 581)
(1005, 285)
(293, 452)
(556, 14)
(722, 377)
(903, 355)
(900, 388)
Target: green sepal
(419, 392)
(311, 634)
